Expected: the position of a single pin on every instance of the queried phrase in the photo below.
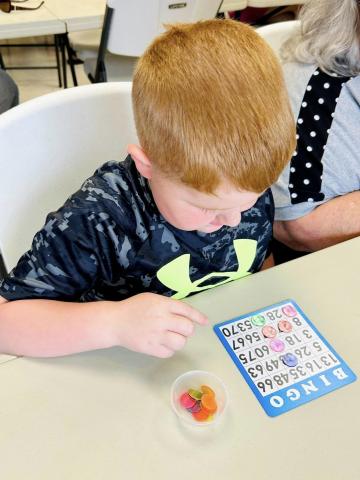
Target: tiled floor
(33, 83)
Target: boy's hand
(155, 325)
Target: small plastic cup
(194, 380)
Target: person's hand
(155, 325)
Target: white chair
(273, 3)
(49, 146)
(231, 5)
(277, 33)
(129, 27)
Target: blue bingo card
(283, 357)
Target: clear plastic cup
(194, 380)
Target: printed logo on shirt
(176, 274)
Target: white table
(20, 24)
(6, 358)
(106, 414)
(78, 15)
(34, 23)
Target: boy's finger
(173, 341)
(185, 310)
(181, 325)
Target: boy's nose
(231, 219)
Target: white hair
(329, 36)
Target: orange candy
(201, 416)
(208, 402)
(208, 390)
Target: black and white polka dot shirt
(326, 161)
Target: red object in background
(249, 14)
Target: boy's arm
(328, 224)
(146, 323)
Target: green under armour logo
(175, 275)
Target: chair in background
(232, 5)
(128, 29)
(262, 12)
(274, 3)
(276, 10)
(277, 33)
(49, 146)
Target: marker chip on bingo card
(283, 357)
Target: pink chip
(277, 345)
(186, 401)
(284, 326)
(268, 331)
(289, 310)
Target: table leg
(2, 64)
(70, 56)
(60, 38)
(56, 44)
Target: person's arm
(328, 224)
(146, 323)
(268, 262)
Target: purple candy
(196, 408)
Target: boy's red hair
(210, 104)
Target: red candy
(186, 401)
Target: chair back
(277, 33)
(273, 3)
(135, 23)
(49, 146)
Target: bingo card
(283, 357)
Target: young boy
(189, 209)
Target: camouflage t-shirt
(109, 241)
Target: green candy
(195, 394)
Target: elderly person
(317, 197)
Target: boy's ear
(142, 162)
